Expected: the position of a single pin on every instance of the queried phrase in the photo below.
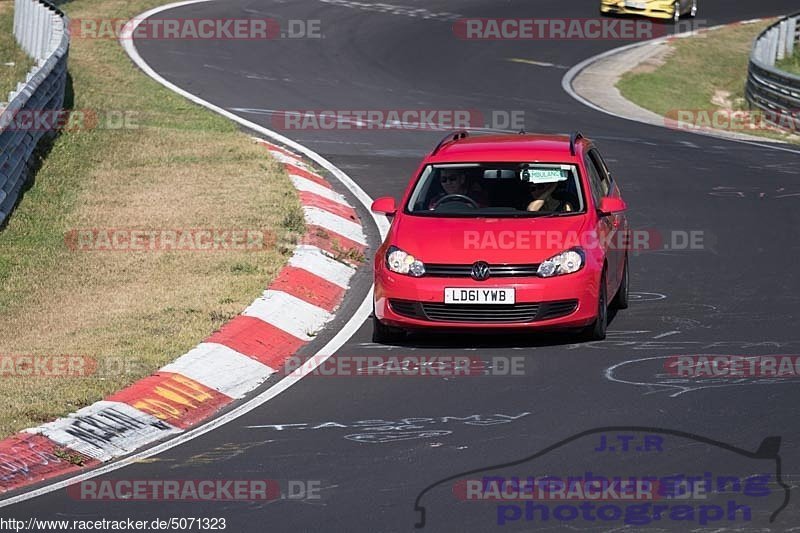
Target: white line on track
(352, 325)
(566, 85)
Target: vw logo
(480, 271)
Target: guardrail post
(768, 88)
(781, 51)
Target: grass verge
(791, 63)
(704, 78)
(172, 165)
(14, 64)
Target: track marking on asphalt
(537, 63)
(677, 385)
(390, 9)
(347, 331)
(667, 334)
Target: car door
(607, 226)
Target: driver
(542, 198)
(454, 181)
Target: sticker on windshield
(544, 175)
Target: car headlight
(403, 263)
(566, 262)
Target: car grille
(499, 314)
(495, 271)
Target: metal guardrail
(42, 30)
(774, 91)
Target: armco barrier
(772, 90)
(42, 31)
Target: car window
(601, 171)
(605, 173)
(510, 189)
(594, 179)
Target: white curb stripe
(335, 223)
(291, 314)
(105, 430)
(283, 158)
(218, 367)
(303, 184)
(312, 259)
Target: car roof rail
(573, 138)
(450, 137)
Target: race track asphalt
(736, 295)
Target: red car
(497, 232)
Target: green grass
(699, 69)
(176, 166)
(791, 63)
(14, 64)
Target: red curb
(258, 340)
(315, 200)
(282, 150)
(303, 173)
(26, 458)
(173, 398)
(308, 287)
(324, 239)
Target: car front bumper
(568, 301)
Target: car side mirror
(610, 205)
(385, 205)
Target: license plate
(635, 5)
(457, 295)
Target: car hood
(494, 240)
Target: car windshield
(497, 190)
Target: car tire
(596, 331)
(621, 298)
(383, 334)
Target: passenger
(542, 198)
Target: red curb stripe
(303, 173)
(277, 148)
(27, 458)
(331, 206)
(324, 239)
(257, 339)
(308, 287)
(174, 398)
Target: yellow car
(662, 9)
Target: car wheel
(676, 11)
(596, 331)
(693, 12)
(383, 334)
(621, 299)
